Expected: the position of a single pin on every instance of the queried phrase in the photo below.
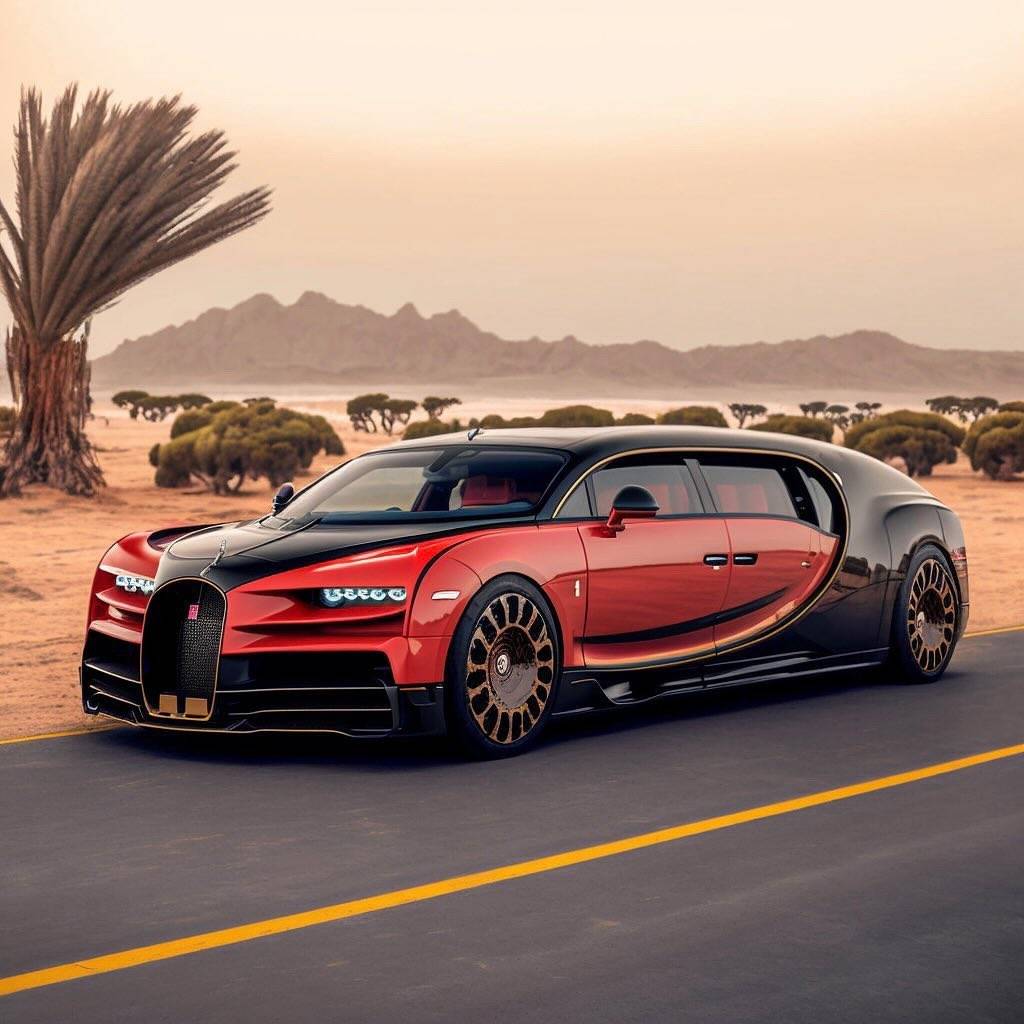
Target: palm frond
(105, 198)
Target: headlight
(134, 584)
(337, 597)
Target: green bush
(693, 416)
(635, 419)
(576, 416)
(1000, 452)
(920, 449)
(1012, 407)
(994, 444)
(186, 422)
(801, 426)
(243, 442)
(426, 428)
(224, 403)
(906, 418)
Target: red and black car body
(524, 574)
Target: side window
(577, 506)
(669, 482)
(749, 489)
(824, 503)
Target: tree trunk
(48, 445)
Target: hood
(252, 550)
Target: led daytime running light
(134, 584)
(337, 597)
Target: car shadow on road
(421, 754)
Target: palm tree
(105, 198)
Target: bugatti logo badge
(193, 611)
(502, 664)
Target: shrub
(7, 418)
(223, 404)
(920, 449)
(1000, 452)
(243, 442)
(186, 422)
(1012, 407)
(426, 428)
(907, 418)
(801, 426)
(634, 419)
(993, 443)
(575, 416)
(693, 416)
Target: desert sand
(51, 544)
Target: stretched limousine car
(480, 583)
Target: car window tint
(670, 484)
(758, 490)
(824, 506)
(577, 506)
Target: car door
(653, 589)
(776, 554)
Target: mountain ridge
(318, 340)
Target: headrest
(484, 490)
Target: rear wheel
(926, 617)
(503, 670)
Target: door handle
(716, 561)
(749, 558)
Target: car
(480, 584)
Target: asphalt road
(905, 904)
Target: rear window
(749, 490)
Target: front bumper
(344, 692)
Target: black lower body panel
(352, 694)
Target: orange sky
(691, 172)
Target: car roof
(598, 441)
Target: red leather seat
(484, 490)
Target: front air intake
(181, 641)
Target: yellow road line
(462, 883)
(56, 735)
(104, 728)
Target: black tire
(926, 619)
(503, 670)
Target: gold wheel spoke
(509, 668)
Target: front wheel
(926, 618)
(503, 670)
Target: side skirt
(585, 689)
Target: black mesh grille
(181, 641)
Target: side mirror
(631, 502)
(285, 493)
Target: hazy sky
(691, 172)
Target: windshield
(430, 483)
